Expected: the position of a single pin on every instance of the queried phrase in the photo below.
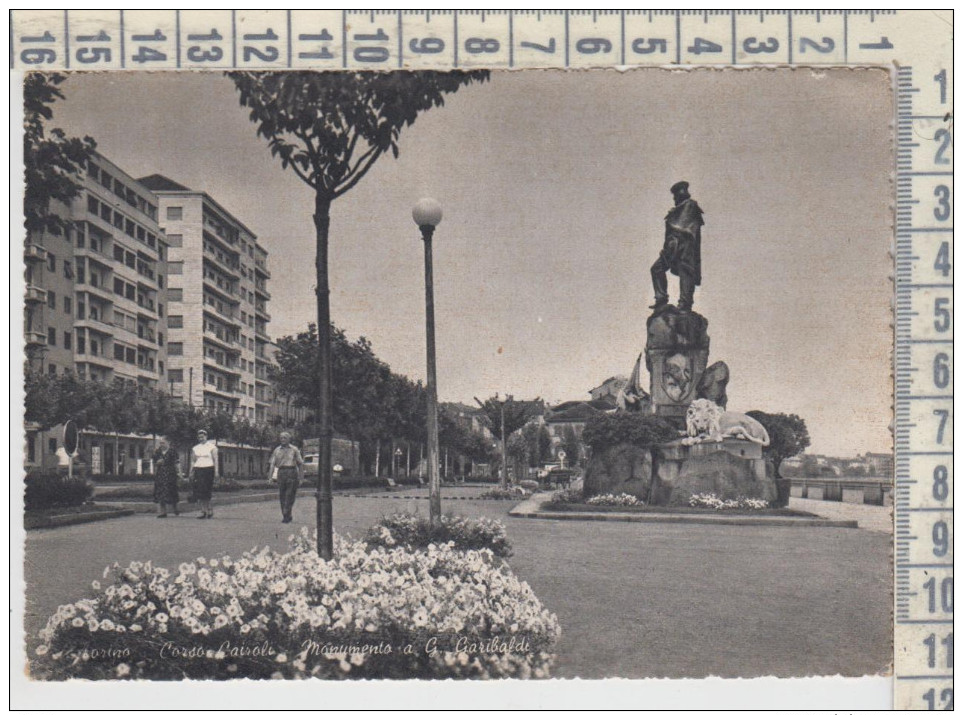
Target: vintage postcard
(465, 374)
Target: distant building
(217, 299)
(879, 464)
(94, 304)
(472, 418)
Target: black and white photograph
(455, 375)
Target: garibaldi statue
(682, 251)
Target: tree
(511, 414)
(330, 128)
(788, 436)
(51, 161)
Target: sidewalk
(873, 518)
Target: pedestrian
(203, 472)
(286, 468)
(166, 474)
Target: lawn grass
(42, 517)
(701, 511)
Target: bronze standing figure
(681, 253)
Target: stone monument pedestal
(676, 354)
(730, 469)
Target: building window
(51, 369)
(175, 268)
(93, 205)
(175, 321)
(175, 348)
(175, 213)
(68, 270)
(118, 254)
(160, 366)
(175, 240)
(68, 339)
(175, 376)
(68, 305)
(52, 337)
(51, 262)
(118, 352)
(160, 339)
(118, 286)
(51, 299)
(81, 343)
(175, 295)
(52, 443)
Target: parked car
(311, 466)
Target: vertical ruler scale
(918, 43)
(923, 631)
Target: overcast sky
(554, 186)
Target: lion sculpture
(705, 421)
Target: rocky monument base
(730, 469)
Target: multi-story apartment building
(95, 298)
(217, 303)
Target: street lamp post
(504, 479)
(427, 215)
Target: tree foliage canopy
(51, 159)
(331, 127)
(606, 430)
(788, 435)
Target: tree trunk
(325, 524)
(408, 461)
(378, 459)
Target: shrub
(614, 500)
(45, 490)
(414, 531)
(567, 496)
(513, 492)
(711, 501)
(608, 429)
(367, 613)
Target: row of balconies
(34, 252)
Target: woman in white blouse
(203, 472)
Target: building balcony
(222, 392)
(228, 345)
(233, 268)
(223, 367)
(98, 257)
(147, 308)
(96, 326)
(100, 360)
(262, 291)
(100, 291)
(36, 295)
(34, 252)
(261, 267)
(221, 314)
(263, 314)
(225, 294)
(261, 334)
(35, 338)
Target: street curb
(55, 522)
(149, 507)
(408, 496)
(531, 509)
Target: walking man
(286, 468)
(682, 251)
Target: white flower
(122, 670)
(78, 622)
(281, 658)
(42, 650)
(95, 585)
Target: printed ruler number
(931, 644)
(941, 485)
(941, 370)
(941, 538)
(324, 53)
(945, 593)
(702, 45)
(149, 54)
(593, 45)
(481, 45)
(940, 79)
(825, 46)
(196, 53)
(643, 46)
(268, 54)
(38, 55)
(941, 314)
(427, 46)
(944, 416)
(942, 210)
(946, 698)
(942, 263)
(372, 53)
(753, 46)
(92, 55)
(549, 48)
(944, 138)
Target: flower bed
(368, 613)
(49, 490)
(614, 500)
(711, 501)
(417, 532)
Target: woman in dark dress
(165, 478)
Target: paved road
(634, 600)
